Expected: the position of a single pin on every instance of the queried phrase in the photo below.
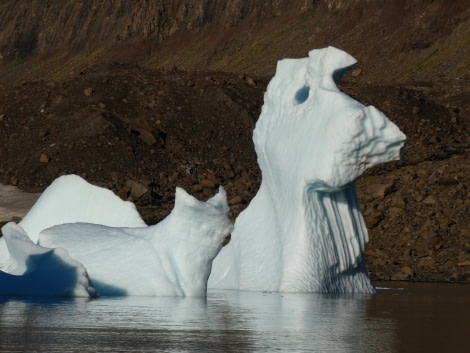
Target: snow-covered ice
(303, 231)
(71, 199)
(171, 258)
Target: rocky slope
(402, 41)
(148, 98)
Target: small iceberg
(113, 251)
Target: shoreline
(15, 203)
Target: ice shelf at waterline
(89, 239)
(303, 231)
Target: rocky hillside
(394, 40)
(143, 97)
(86, 31)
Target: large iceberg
(303, 231)
(171, 258)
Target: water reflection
(391, 321)
(428, 317)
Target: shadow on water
(410, 318)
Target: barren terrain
(142, 119)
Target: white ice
(303, 231)
(38, 271)
(171, 258)
(68, 199)
(71, 199)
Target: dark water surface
(407, 318)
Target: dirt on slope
(142, 125)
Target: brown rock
(430, 200)
(52, 170)
(16, 219)
(404, 274)
(379, 190)
(250, 81)
(226, 240)
(14, 181)
(398, 201)
(43, 133)
(123, 193)
(426, 263)
(446, 181)
(163, 179)
(44, 158)
(88, 91)
(137, 190)
(114, 176)
(207, 183)
(207, 192)
(356, 73)
(465, 233)
(174, 177)
(377, 262)
(196, 189)
(373, 220)
(445, 255)
(393, 211)
(147, 137)
(236, 200)
(420, 248)
(436, 243)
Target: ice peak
(303, 231)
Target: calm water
(410, 318)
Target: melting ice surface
(96, 251)
(303, 231)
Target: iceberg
(303, 231)
(111, 246)
(38, 271)
(71, 199)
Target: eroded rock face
(55, 25)
(303, 231)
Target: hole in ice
(302, 95)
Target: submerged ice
(303, 231)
